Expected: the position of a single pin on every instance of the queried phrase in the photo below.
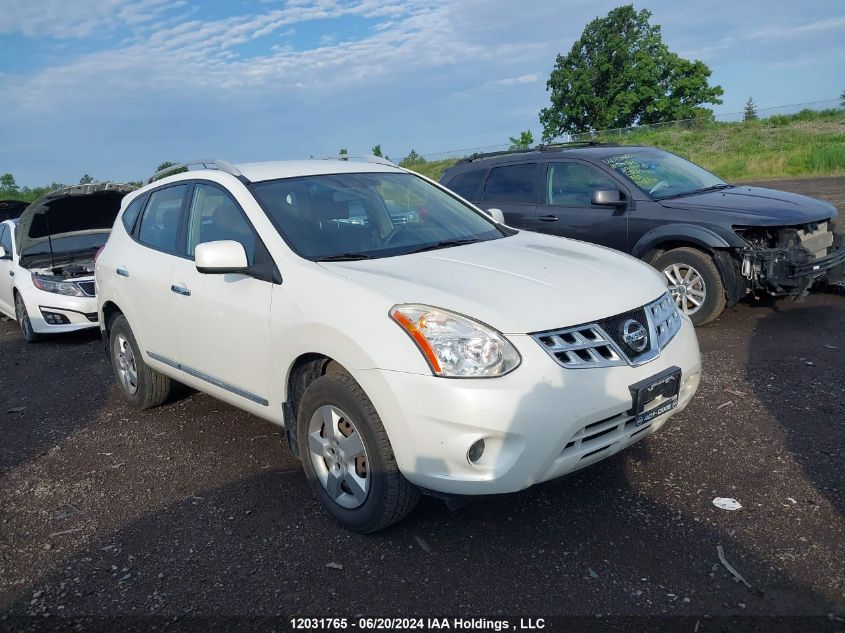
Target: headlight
(454, 345)
(67, 288)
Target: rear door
(143, 272)
(567, 209)
(7, 303)
(513, 189)
(223, 320)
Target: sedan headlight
(67, 288)
(456, 346)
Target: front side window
(661, 174)
(573, 184)
(160, 222)
(369, 215)
(511, 183)
(215, 216)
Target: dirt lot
(195, 512)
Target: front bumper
(540, 422)
(51, 313)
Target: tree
(618, 73)
(86, 179)
(8, 184)
(750, 110)
(523, 141)
(412, 159)
(842, 99)
(167, 164)
(343, 154)
(377, 151)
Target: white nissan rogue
(406, 341)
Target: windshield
(371, 215)
(661, 174)
(80, 243)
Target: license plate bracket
(665, 385)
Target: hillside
(804, 144)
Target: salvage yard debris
(733, 572)
(726, 503)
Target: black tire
(152, 388)
(24, 323)
(390, 497)
(714, 289)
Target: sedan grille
(87, 287)
(631, 338)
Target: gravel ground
(195, 512)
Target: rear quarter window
(131, 214)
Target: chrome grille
(601, 344)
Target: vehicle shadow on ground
(75, 387)
(261, 546)
(801, 385)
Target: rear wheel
(348, 458)
(25, 324)
(694, 282)
(142, 386)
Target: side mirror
(4, 254)
(608, 198)
(497, 215)
(219, 258)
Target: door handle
(122, 272)
(11, 273)
(548, 218)
(181, 290)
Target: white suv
(405, 340)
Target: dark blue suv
(715, 242)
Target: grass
(807, 143)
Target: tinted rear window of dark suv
(467, 184)
(511, 183)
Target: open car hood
(70, 210)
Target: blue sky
(114, 87)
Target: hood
(520, 284)
(755, 206)
(69, 211)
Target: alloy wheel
(339, 456)
(23, 318)
(127, 370)
(687, 287)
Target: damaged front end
(790, 260)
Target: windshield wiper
(344, 257)
(443, 244)
(718, 187)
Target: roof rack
(369, 158)
(220, 165)
(538, 148)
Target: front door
(223, 320)
(567, 209)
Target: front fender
(691, 233)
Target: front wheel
(694, 282)
(29, 335)
(347, 456)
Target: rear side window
(131, 213)
(160, 222)
(511, 183)
(468, 184)
(6, 239)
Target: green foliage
(167, 164)
(343, 154)
(523, 141)
(750, 113)
(842, 99)
(8, 184)
(412, 159)
(376, 151)
(618, 73)
(86, 179)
